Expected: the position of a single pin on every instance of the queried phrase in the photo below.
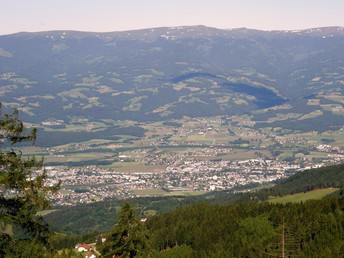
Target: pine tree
(129, 237)
(22, 190)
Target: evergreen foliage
(129, 238)
(252, 229)
(22, 193)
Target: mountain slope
(166, 73)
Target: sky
(120, 15)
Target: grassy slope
(301, 197)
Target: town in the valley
(181, 175)
(183, 157)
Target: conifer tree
(23, 191)
(129, 238)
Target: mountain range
(291, 77)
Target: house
(90, 255)
(83, 247)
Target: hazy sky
(114, 15)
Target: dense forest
(246, 225)
(253, 229)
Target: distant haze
(119, 15)
(164, 74)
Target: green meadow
(302, 197)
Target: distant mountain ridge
(187, 31)
(167, 73)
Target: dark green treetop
(129, 237)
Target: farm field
(130, 146)
(302, 197)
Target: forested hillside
(303, 181)
(311, 229)
(252, 228)
(101, 216)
